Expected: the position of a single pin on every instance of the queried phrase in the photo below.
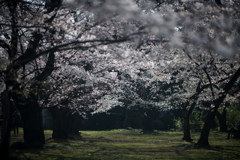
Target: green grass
(131, 144)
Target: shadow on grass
(125, 144)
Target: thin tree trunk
(186, 120)
(186, 127)
(126, 122)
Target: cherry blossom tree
(17, 53)
(31, 33)
(219, 34)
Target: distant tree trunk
(186, 127)
(147, 124)
(6, 124)
(126, 122)
(73, 128)
(59, 123)
(186, 120)
(222, 119)
(65, 124)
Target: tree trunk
(31, 114)
(186, 127)
(186, 121)
(147, 124)
(126, 122)
(203, 141)
(65, 124)
(32, 123)
(73, 129)
(222, 119)
(59, 123)
(6, 125)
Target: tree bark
(186, 126)
(6, 125)
(186, 119)
(59, 123)
(65, 124)
(75, 124)
(32, 123)
(203, 141)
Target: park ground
(128, 145)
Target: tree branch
(48, 68)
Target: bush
(177, 124)
(233, 116)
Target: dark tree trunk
(65, 124)
(186, 120)
(31, 114)
(203, 141)
(147, 124)
(186, 127)
(59, 123)
(9, 80)
(29, 108)
(73, 128)
(126, 122)
(6, 125)
(32, 123)
(222, 119)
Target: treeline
(134, 118)
(131, 118)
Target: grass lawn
(130, 144)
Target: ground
(130, 144)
